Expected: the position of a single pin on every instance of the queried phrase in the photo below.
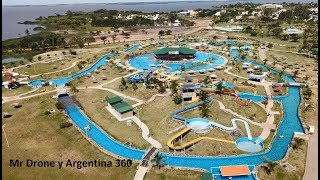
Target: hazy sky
(42, 2)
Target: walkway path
(311, 172)
(227, 71)
(146, 133)
(262, 53)
(14, 98)
(140, 173)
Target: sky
(43, 2)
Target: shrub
(47, 113)
(65, 125)
(59, 106)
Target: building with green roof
(121, 108)
(174, 53)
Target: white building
(238, 17)
(270, 6)
(175, 23)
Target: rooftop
(114, 100)
(234, 170)
(181, 50)
(123, 107)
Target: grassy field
(40, 68)
(37, 136)
(100, 115)
(168, 173)
(15, 92)
(297, 158)
(161, 123)
(141, 93)
(253, 110)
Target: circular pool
(255, 145)
(199, 125)
(202, 61)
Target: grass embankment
(253, 111)
(34, 135)
(14, 92)
(297, 158)
(166, 173)
(142, 92)
(93, 101)
(160, 124)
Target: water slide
(171, 140)
(234, 126)
(236, 98)
(209, 99)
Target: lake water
(11, 15)
(11, 59)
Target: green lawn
(97, 112)
(141, 93)
(252, 110)
(297, 158)
(38, 137)
(15, 92)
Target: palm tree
(158, 160)
(265, 61)
(103, 38)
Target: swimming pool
(290, 123)
(293, 31)
(227, 84)
(199, 125)
(254, 98)
(144, 62)
(254, 145)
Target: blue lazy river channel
(62, 81)
(289, 124)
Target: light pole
(5, 134)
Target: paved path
(140, 173)
(311, 172)
(262, 53)
(146, 133)
(14, 98)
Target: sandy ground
(140, 35)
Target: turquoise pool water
(132, 48)
(290, 123)
(254, 98)
(227, 84)
(255, 145)
(100, 137)
(293, 31)
(198, 124)
(36, 83)
(144, 63)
